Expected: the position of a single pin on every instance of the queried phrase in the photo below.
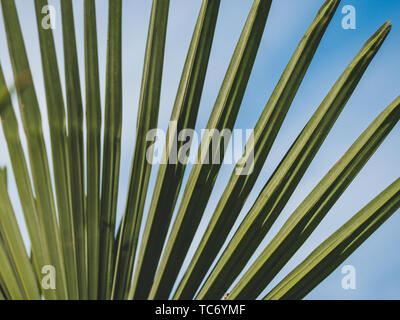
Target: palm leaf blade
(75, 139)
(147, 120)
(202, 177)
(170, 175)
(93, 146)
(266, 130)
(36, 147)
(286, 177)
(8, 276)
(11, 236)
(111, 148)
(309, 214)
(60, 150)
(340, 245)
(24, 186)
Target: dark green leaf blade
(60, 149)
(111, 149)
(170, 174)
(93, 146)
(8, 276)
(75, 139)
(32, 123)
(147, 120)
(23, 182)
(203, 175)
(287, 176)
(12, 239)
(265, 132)
(316, 205)
(340, 245)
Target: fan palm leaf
(69, 200)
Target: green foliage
(75, 229)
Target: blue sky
(376, 261)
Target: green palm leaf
(170, 175)
(74, 229)
(340, 245)
(4, 295)
(265, 132)
(39, 245)
(147, 120)
(36, 147)
(93, 147)
(10, 285)
(11, 241)
(202, 177)
(286, 177)
(111, 149)
(60, 149)
(312, 210)
(75, 139)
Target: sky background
(377, 261)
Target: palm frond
(60, 150)
(287, 176)
(75, 142)
(341, 244)
(265, 132)
(149, 105)
(170, 174)
(21, 174)
(32, 122)
(111, 148)
(93, 147)
(69, 196)
(12, 245)
(316, 205)
(202, 177)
